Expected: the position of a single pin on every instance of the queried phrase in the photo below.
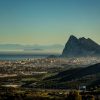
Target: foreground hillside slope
(88, 75)
(77, 72)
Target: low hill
(87, 75)
(77, 73)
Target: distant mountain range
(31, 48)
(80, 47)
(74, 48)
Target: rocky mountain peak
(80, 47)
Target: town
(43, 65)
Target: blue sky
(47, 22)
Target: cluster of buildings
(43, 65)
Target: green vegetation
(45, 94)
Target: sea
(13, 56)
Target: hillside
(88, 76)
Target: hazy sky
(48, 21)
